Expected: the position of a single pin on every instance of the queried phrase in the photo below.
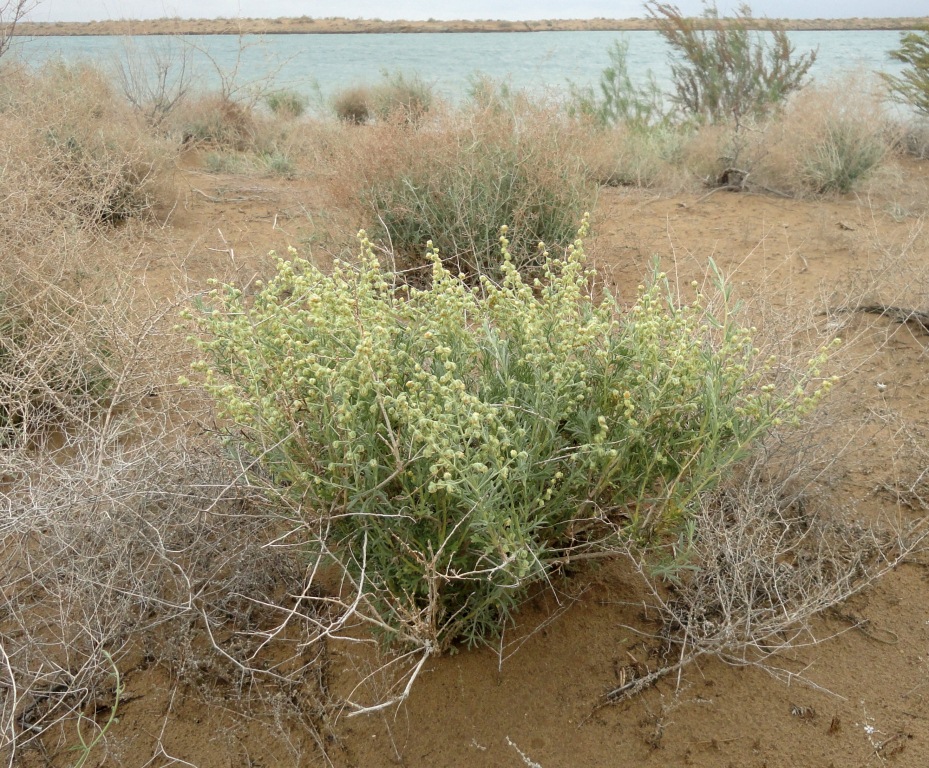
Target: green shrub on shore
(912, 85)
(451, 446)
(286, 103)
(618, 100)
(744, 115)
(722, 70)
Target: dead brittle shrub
(154, 76)
(73, 151)
(106, 508)
(55, 360)
(915, 138)
(111, 548)
(76, 163)
(11, 13)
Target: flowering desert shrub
(449, 447)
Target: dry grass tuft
(827, 139)
(631, 157)
(216, 122)
(916, 138)
(396, 97)
(828, 142)
(460, 176)
(352, 105)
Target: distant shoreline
(307, 25)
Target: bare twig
(11, 13)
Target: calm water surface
(323, 64)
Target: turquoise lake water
(322, 64)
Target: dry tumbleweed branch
(760, 569)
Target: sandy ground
(306, 24)
(857, 694)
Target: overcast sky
(88, 10)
